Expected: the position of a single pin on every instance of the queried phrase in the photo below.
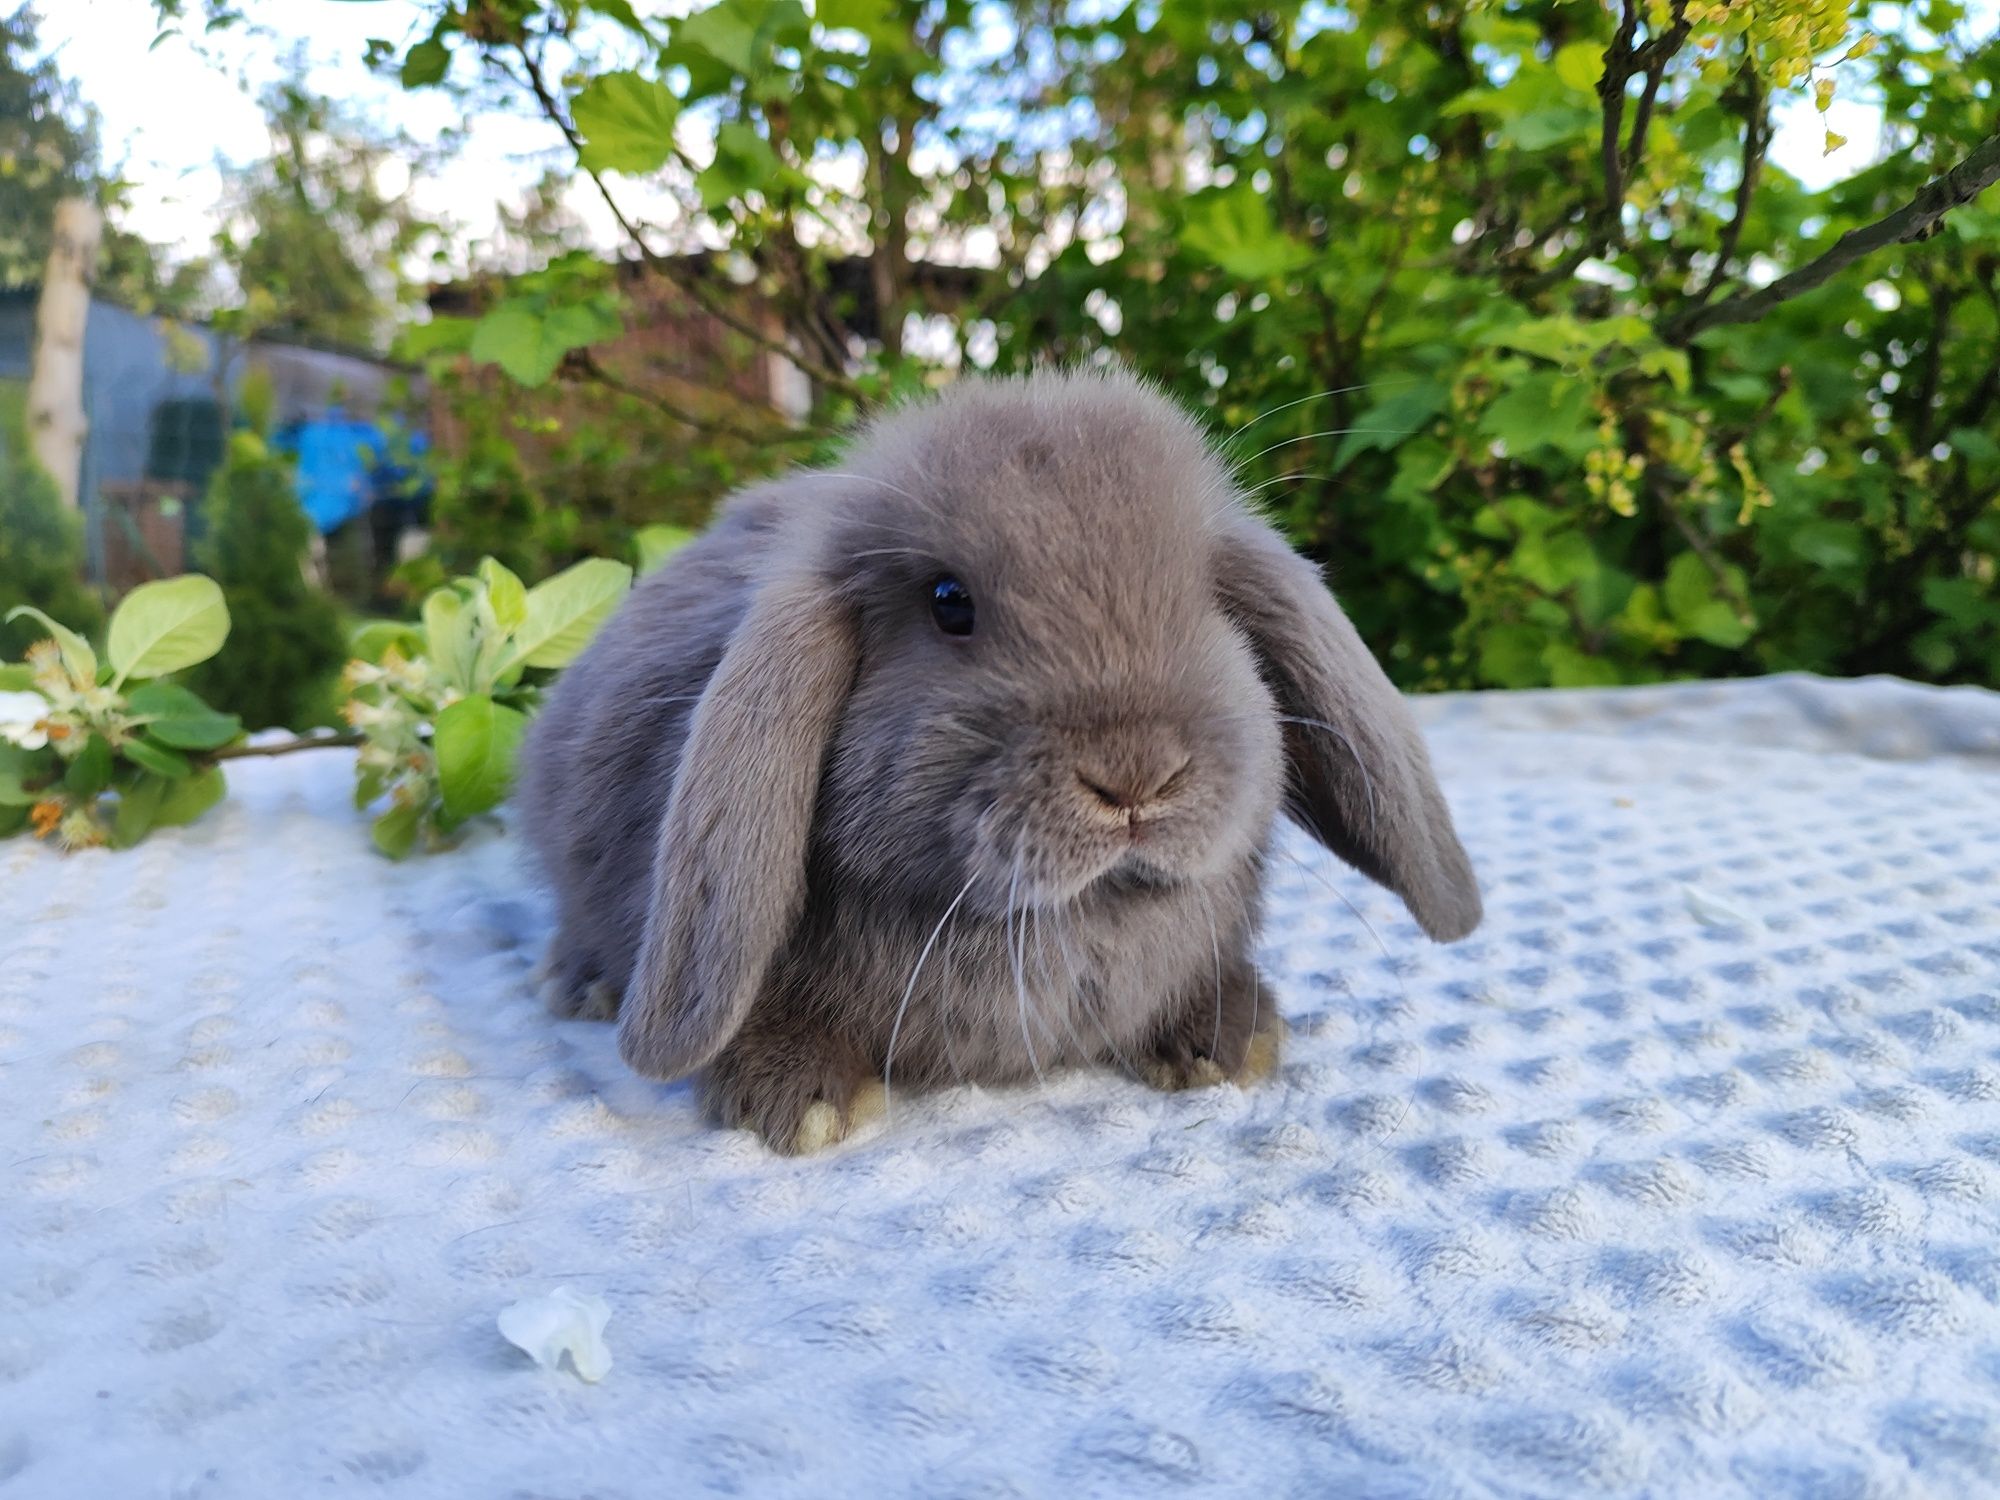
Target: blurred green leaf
(443, 334)
(1405, 410)
(138, 810)
(744, 163)
(1692, 600)
(369, 784)
(1233, 227)
(742, 34)
(627, 122)
(620, 11)
(1545, 407)
(77, 656)
(371, 640)
(504, 593)
(565, 611)
(395, 832)
(1510, 656)
(180, 719)
(164, 626)
(528, 341)
(1553, 563)
(155, 758)
(476, 744)
(1580, 65)
(870, 17)
(1570, 668)
(1966, 602)
(425, 64)
(90, 771)
(1831, 544)
(450, 636)
(184, 801)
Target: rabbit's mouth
(1052, 858)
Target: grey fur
(761, 790)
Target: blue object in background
(337, 459)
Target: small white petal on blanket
(1713, 911)
(562, 1322)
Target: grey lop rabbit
(965, 762)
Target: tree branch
(1756, 138)
(1620, 61)
(1652, 60)
(287, 747)
(675, 271)
(582, 364)
(1915, 220)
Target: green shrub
(41, 540)
(286, 637)
(485, 506)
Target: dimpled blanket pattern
(1622, 1196)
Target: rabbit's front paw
(1232, 1036)
(573, 985)
(801, 1094)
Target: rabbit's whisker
(1307, 437)
(1215, 947)
(1063, 996)
(1020, 982)
(1367, 781)
(1062, 916)
(1284, 479)
(972, 734)
(889, 1062)
(896, 489)
(1338, 390)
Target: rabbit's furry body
(805, 837)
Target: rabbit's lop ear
(1360, 778)
(729, 873)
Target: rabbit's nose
(1125, 784)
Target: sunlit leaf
(1233, 228)
(565, 611)
(627, 122)
(165, 626)
(476, 743)
(77, 657)
(425, 64)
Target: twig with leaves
(1916, 220)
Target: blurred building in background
(160, 395)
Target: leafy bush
(1522, 330)
(287, 640)
(41, 539)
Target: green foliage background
(1465, 279)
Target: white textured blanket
(1609, 1199)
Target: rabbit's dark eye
(951, 606)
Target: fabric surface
(1605, 1200)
